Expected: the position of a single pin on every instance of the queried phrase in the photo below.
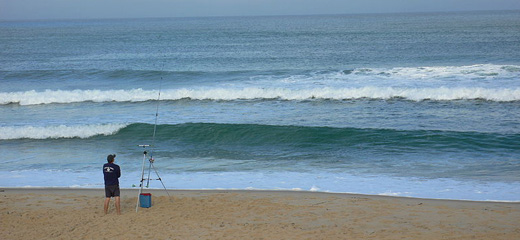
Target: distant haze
(87, 9)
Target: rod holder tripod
(150, 167)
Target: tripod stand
(150, 166)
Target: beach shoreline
(62, 213)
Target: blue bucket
(146, 200)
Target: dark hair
(110, 158)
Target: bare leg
(118, 205)
(107, 201)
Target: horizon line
(247, 16)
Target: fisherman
(112, 172)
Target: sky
(92, 9)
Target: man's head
(110, 158)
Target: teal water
(423, 105)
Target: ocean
(418, 105)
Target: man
(112, 172)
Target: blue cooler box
(146, 200)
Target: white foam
(59, 131)
(485, 81)
(483, 75)
(294, 181)
(62, 96)
(440, 72)
(230, 94)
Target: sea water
(420, 105)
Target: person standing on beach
(112, 172)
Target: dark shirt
(112, 172)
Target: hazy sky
(66, 9)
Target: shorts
(112, 191)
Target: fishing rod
(152, 147)
(151, 159)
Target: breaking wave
(444, 83)
(211, 135)
(251, 93)
(60, 131)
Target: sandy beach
(52, 213)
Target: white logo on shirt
(109, 169)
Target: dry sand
(51, 213)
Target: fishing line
(154, 132)
(156, 114)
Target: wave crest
(60, 131)
(230, 94)
(213, 137)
